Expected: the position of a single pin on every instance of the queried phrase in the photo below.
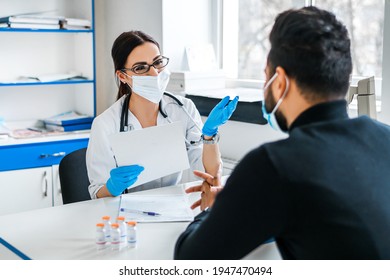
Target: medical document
(160, 150)
(155, 208)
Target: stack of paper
(75, 23)
(47, 78)
(69, 121)
(31, 21)
(40, 21)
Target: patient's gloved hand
(219, 115)
(122, 177)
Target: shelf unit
(29, 167)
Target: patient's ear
(279, 84)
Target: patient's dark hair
(122, 47)
(313, 47)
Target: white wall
(111, 19)
(173, 23)
(185, 22)
(385, 114)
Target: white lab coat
(100, 158)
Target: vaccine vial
(100, 238)
(123, 228)
(115, 236)
(131, 234)
(107, 226)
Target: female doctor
(141, 102)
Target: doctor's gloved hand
(219, 115)
(122, 177)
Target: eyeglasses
(144, 67)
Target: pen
(140, 212)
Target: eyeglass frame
(149, 65)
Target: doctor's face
(140, 59)
(141, 56)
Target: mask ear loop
(270, 81)
(283, 96)
(119, 80)
(267, 84)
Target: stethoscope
(125, 126)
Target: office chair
(74, 177)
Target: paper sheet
(201, 57)
(172, 208)
(160, 150)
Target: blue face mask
(271, 117)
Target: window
(247, 23)
(364, 21)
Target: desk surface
(68, 232)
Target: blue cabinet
(37, 154)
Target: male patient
(322, 193)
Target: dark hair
(122, 47)
(313, 47)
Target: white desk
(68, 232)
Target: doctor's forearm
(103, 192)
(212, 159)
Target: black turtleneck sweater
(322, 193)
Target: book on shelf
(76, 24)
(68, 118)
(46, 78)
(40, 21)
(70, 127)
(24, 133)
(74, 27)
(33, 25)
(32, 18)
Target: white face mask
(151, 88)
(271, 117)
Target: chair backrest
(74, 177)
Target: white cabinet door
(57, 195)
(26, 189)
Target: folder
(29, 18)
(76, 24)
(68, 118)
(70, 127)
(33, 25)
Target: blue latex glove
(122, 177)
(219, 115)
